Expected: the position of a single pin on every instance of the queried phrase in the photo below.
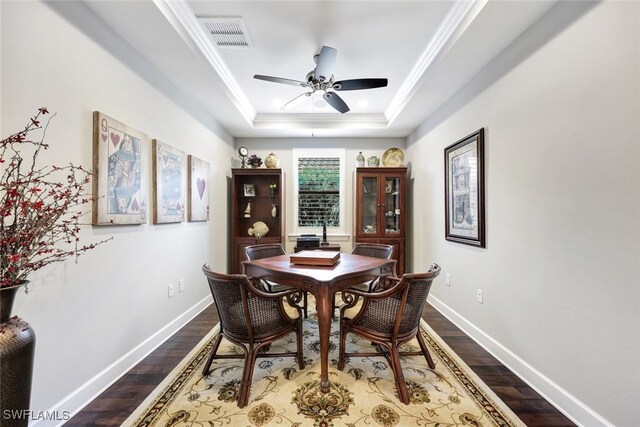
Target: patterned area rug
(364, 394)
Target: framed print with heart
(120, 169)
(198, 192)
(169, 176)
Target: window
(318, 191)
(318, 181)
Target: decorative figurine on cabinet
(259, 229)
(271, 161)
(254, 161)
(243, 152)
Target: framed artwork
(249, 190)
(464, 190)
(120, 168)
(198, 191)
(169, 179)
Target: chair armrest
(255, 289)
(293, 296)
(391, 286)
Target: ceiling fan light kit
(320, 80)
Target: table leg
(324, 308)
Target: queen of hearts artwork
(119, 172)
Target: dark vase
(17, 345)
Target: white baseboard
(564, 401)
(87, 392)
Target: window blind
(318, 191)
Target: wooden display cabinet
(254, 186)
(381, 209)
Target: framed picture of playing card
(120, 172)
(198, 189)
(168, 164)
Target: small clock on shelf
(243, 152)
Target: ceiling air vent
(227, 32)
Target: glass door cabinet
(380, 209)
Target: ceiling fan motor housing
(317, 84)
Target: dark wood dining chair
(388, 317)
(251, 319)
(268, 250)
(374, 250)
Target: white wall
(282, 147)
(560, 272)
(95, 318)
(561, 269)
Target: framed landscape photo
(198, 191)
(249, 190)
(464, 190)
(120, 168)
(169, 183)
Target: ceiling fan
(320, 80)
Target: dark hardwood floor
(525, 402)
(113, 406)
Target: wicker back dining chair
(388, 317)
(269, 250)
(251, 319)
(374, 250)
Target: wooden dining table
(323, 282)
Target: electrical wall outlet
(181, 285)
(170, 290)
(447, 279)
(479, 296)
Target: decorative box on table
(325, 258)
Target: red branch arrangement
(39, 214)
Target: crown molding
(456, 21)
(184, 21)
(320, 121)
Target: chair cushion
(364, 287)
(350, 313)
(291, 311)
(277, 287)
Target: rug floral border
(483, 398)
(171, 391)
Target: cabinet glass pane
(369, 205)
(392, 213)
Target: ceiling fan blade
(357, 84)
(325, 64)
(281, 80)
(295, 101)
(336, 102)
